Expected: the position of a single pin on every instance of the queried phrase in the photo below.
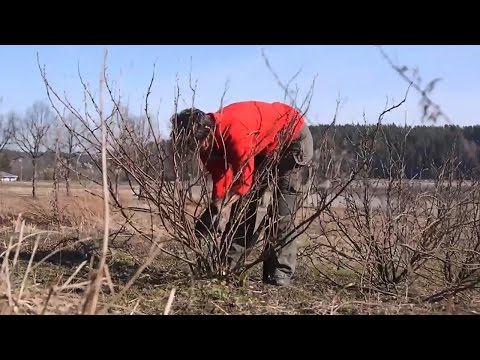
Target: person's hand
(222, 204)
(207, 221)
(210, 218)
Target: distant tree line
(423, 149)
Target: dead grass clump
(83, 212)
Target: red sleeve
(237, 177)
(221, 175)
(241, 158)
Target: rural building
(7, 177)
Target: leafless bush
(457, 263)
(135, 148)
(400, 235)
(391, 234)
(397, 235)
(156, 171)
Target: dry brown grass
(82, 210)
(45, 257)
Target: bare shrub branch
(431, 111)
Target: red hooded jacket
(242, 131)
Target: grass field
(41, 278)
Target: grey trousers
(289, 174)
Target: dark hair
(192, 123)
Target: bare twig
(427, 102)
(29, 266)
(168, 307)
(106, 207)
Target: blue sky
(357, 75)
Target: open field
(35, 284)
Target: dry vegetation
(392, 246)
(50, 273)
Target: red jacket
(244, 130)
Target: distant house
(7, 177)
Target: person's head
(191, 129)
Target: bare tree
(69, 147)
(56, 176)
(5, 132)
(30, 133)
